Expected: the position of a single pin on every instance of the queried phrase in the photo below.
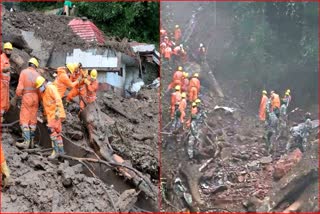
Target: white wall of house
(93, 58)
(115, 80)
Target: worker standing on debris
(271, 126)
(300, 133)
(30, 103)
(202, 53)
(185, 82)
(183, 106)
(175, 98)
(263, 103)
(176, 78)
(194, 87)
(287, 98)
(91, 88)
(62, 81)
(67, 7)
(80, 88)
(54, 113)
(5, 78)
(177, 34)
(5, 172)
(193, 120)
(275, 103)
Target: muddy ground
(241, 177)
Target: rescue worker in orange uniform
(54, 113)
(5, 78)
(263, 105)
(175, 98)
(5, 172)
(275, 103)
(80, 88)
(176, 78)
(177, 34)
(183, 106)
(91, 88)
(163, 46)
(30, 103)
(194, 87)
(167, 53)
(163, 33)
(185, 82)
(62, 81)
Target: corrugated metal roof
(87, 31)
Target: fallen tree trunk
(97, 125)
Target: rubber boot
(26, 139)
(32, 135)
(60, 147)
(55, 151)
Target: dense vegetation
(134, 20)
(275, 45)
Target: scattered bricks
(285, 164)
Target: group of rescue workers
(34, 89)
(173, 50)
(273, 112)
(186, 86)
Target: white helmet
(201, 45)
(181, 45)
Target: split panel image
(80, 106)
(239, 100)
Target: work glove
(87, 82)
(13, 101)
(57, 113)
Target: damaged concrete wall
(132, 75)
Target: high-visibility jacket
(5, 84)
(51, 100)
(30, 96)
(167, 53)
(275, 101)
(175, 98)
(262, 109)
(92, 89)
(176, 79)
(182, 108)
(194, 82)
(62, 81)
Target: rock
(24, 156)
(37, 164)
(240, 178)
(226, 154)
(253, 166)
(127, 200)
(149, 115)
(13, 198)
(266, 160)
(240, 138)
(142, 137)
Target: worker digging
(72, 138)
(240, 142)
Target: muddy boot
(26, 139)
(60, 147)
(32, 135)
(55, 152)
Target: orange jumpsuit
(182, 108)
(62, 81)
(262, 109)
(175, 97)
(91, 94)
(30, 98)
(194, 88)
(5, 80)
(177, 34)
(275, 101)
(3, 159)
(185, 84)
(78, 89)
(167, 53)
(51, 100)
(176, 79)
